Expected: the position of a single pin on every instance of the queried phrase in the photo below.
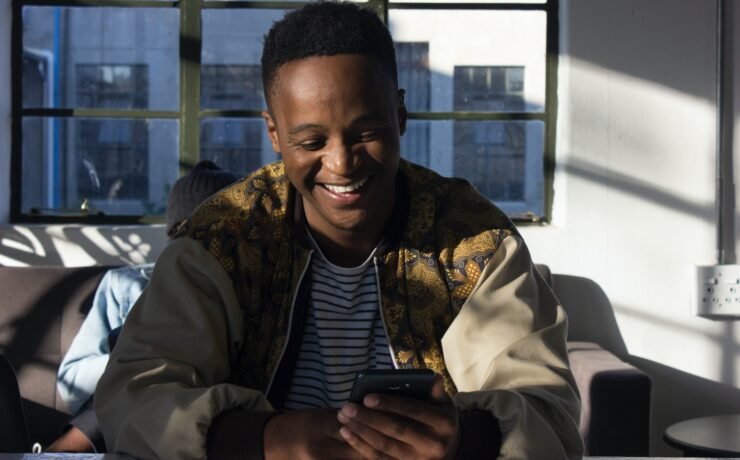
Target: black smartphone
(413, 383)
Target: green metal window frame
(190, 113)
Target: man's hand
(306, 434)
(396, 427)
(73, 440)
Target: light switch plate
(717, 291)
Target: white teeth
(346, 188)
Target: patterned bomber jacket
(445, 233)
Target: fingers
(386, 448)
(438, 394)
(388, 426)
(432, 413)
(396, 435)
(380, 429)
(372, 444)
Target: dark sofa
(41, 309)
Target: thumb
(438, 393)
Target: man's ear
(402, 113)
(271, 131)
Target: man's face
(336, 121)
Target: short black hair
(326, 29)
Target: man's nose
(342, 159)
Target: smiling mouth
(349, 188)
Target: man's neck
(347, 251)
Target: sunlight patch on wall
(20, 241)
(6, 261)
(135, 248)
(635, 126)
(93, 234)
(72, 254)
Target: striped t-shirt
(343, 334)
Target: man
(119, 289)
(245, 343)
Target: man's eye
(312, 145)
(368, 136)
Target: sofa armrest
(615, 414)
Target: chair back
(14, 438)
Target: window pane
(239, 145)
(231, 75)
(231, 86)
(483, 60)
(117, 166)
(502, 159)
(412, 59)
(112, 86)
(102, 58)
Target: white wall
(634, 206)
(634, 192)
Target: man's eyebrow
(370, 118)
(303, 127)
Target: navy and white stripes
(343, 335)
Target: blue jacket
(88, 355)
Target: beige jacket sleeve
(163, 385)
(506, 353)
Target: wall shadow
(679, 396)
(639, 40)
(19, 247)
(37, 245)
(725, 340)
(639, 189)
(590, 314)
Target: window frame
(190, 114)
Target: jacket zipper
(290, 323)
(382, 317)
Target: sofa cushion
(41, 310)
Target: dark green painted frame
(190, 113)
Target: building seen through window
(112, 154)
(491, 155)
(234, 144)
(413, 72)
(476, 88)
(105, 120)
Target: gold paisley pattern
(450, 236)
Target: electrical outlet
(717, 291)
